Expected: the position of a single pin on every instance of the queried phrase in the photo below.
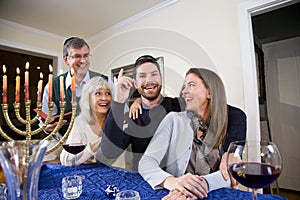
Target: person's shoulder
(93, 73)
(172, 104)
(178, 115)
(235, 111)
(56, 78)
(233, 108)
(170, 100)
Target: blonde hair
(88, 89)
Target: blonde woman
(95, 103)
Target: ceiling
(92, 18)
(84, 18)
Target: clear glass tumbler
(128, 195)
(72, 187)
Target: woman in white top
(95, 103)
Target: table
(98, 176)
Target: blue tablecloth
(98, 176)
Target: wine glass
(74, 146)
(72, 185)
(254, 164)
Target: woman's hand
(177, 195)
(224, 169)
(135, 107)
(95, 144)
(191, 186)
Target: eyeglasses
(79, 57)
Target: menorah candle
(4, 87)
(50, 77)
(73, 86)
(17, 96)
(26, 85)
(40, 87)
(62, 88)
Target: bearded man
(120, 130)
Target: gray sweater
(170, 149)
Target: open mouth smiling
(103, 104)
(149, 87)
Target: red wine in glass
(254, 164)
(254, 175)
(74, 148)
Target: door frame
(245, 11)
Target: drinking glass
(75, 146)
(128, 195)
(254, 164)
(72, 185)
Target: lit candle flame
(41, 75)
(27, 65)
(50, 68)
(4, 69)
(18, 70)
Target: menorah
(25, 172)
(28, 122)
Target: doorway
(254, 87)
(277, 44)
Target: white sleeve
(216, 181)
(67, 158)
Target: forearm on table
(216, 181)
(83, 156)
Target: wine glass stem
(254, 194)
(74, 164)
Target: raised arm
(114, 139)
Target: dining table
(97, 177)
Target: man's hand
(224, 169)
(191, 186)
(123, 87)
(51, 126)
(135, 107)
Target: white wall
(189, 33)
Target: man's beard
(151, 96)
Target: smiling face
(196, 95)
(100, 101)
(148, 81)
(79, 60)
